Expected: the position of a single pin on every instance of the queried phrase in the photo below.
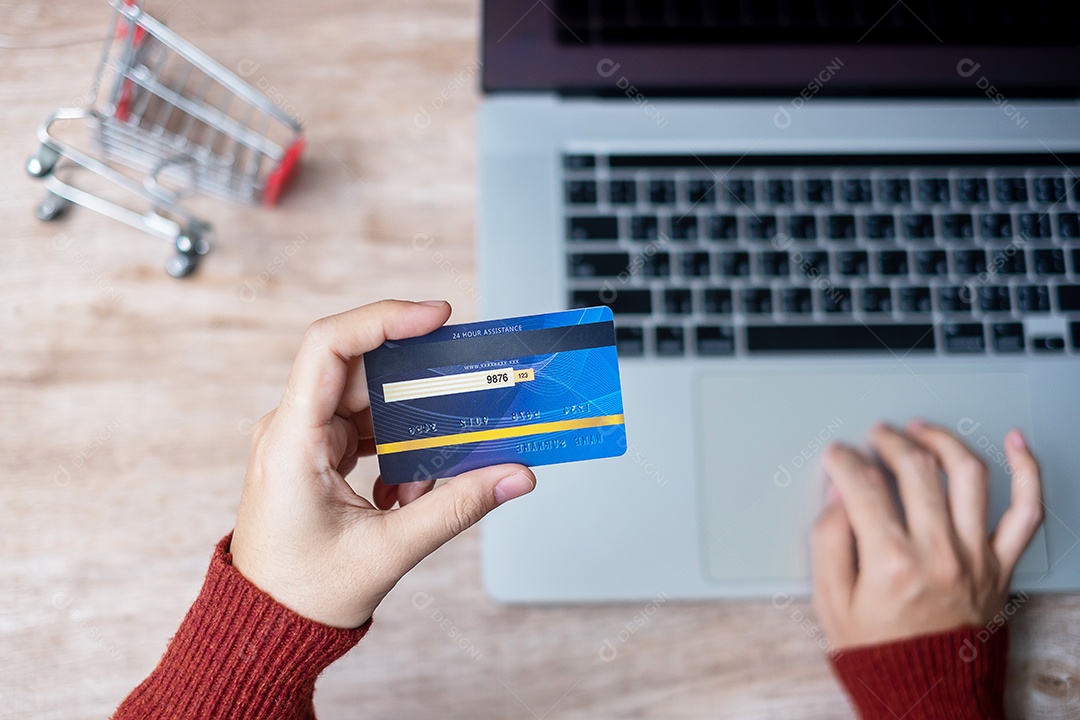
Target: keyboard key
(1049, 261)
(812, 263)
(1049, 190)
(915, 300)
(739, 191)
(954, 299)
(957, 226)
(1008, 337)
(895, 191)
(893, 262)
(662, 192)
(696, 264)
(969, 263)
(931, 262)
(1068, 297)
(1069, 226)
(655, 265)
(684, 228)
(876, 300)
(621, 301)
(735, 264)
(607, 265)
(818, 191)
(973, 191)
(796, 301)
(773, 263)
(1011, 190)
(581, 192)
(622, 192)
(579, 162)
(802, 227)
(1009, 261)
(841, 227)
(717, 301)
(1034, 225)
(994, 298)
(701, 191)
(723, 227)
(780, 192)
(761, 227)
(592, 228)
(964, 338)
(644, 227)
(715, 340)
(669, 341)
(836, 299)
(996, 225)
(880, 227)
(854, 263)
(857, 190)
(629, 341)
(891, 337)
(918, 226)
(934, 191)
(1034, 298)
(1049, 343)
(678, 302)
(757, 301)
(1074, 332)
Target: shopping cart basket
(166, 120)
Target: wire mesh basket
(178, 121)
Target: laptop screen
(1020, 48)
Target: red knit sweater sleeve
(238, 654)
(955, 675)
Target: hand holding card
(302, 534)
(534, 390)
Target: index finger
(313, 393)
(870, 507)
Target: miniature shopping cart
(165, 120)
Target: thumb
(426, 523)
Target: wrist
(958, 674)
(239, 653)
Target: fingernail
(432, 303)
(513, 486)
(1017, 440)
(832, 495)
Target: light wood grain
(143, 388)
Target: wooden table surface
(126, 399)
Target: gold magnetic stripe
(498, 433)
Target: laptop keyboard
(726, 256)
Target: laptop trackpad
(760, 438)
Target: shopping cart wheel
(193, 240)
(181, 265)
(43, 162)
(51, 206)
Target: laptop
(806, 217)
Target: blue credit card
(534, 390)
